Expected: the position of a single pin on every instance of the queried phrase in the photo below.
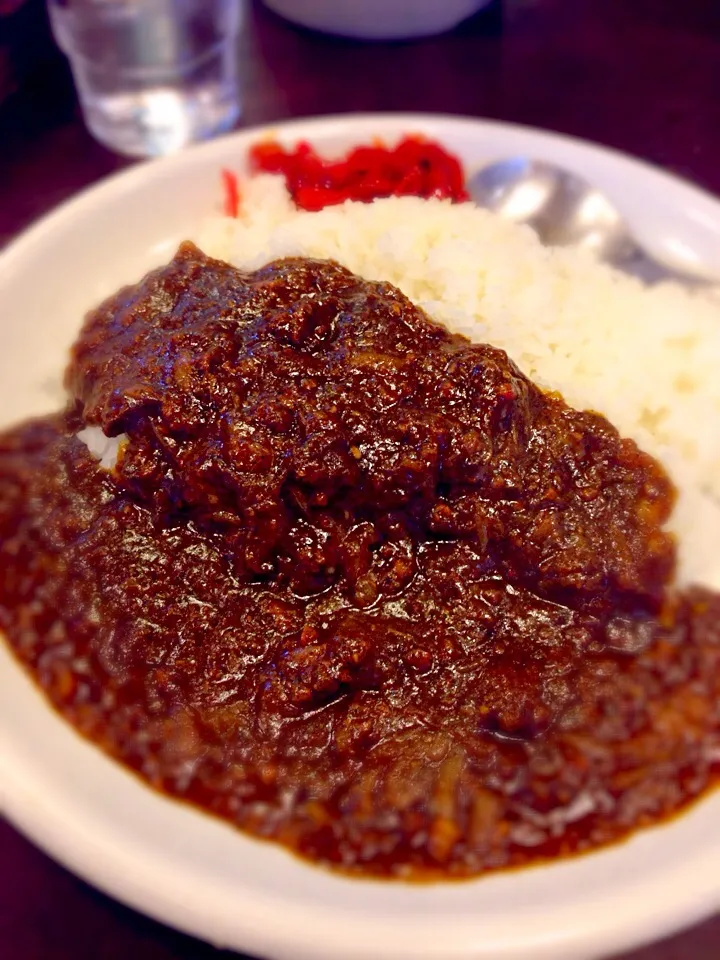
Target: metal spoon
(564, 209)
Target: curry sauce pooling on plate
(354, 583)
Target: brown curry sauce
(355, 584)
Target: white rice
(646, 358)
(105, 449)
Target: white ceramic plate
(195, 872)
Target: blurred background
(642, 76)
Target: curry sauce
(355, 584)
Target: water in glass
(152, 75)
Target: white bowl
(197, 873)
(378, 19)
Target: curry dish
(355, 584)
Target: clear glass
(152, 75)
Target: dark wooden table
(640, 75)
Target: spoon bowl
(565, 210)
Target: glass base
(160, 120)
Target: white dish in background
(378, 19)
(197, 873)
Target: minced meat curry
(355, 584)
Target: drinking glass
(152, 75)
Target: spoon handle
(633, 259)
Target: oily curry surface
(355, 584)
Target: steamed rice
(105, 449)
(646, 358)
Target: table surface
(642, 76)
